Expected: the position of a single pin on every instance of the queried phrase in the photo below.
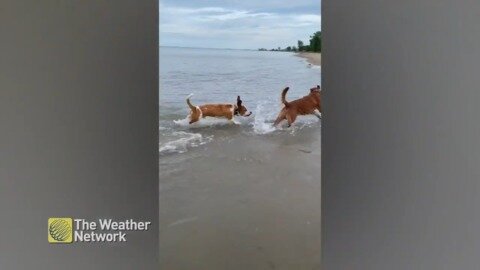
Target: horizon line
(207, 48)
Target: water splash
(263, 123)
(204, 122)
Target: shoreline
(311, 57)
(238, 196)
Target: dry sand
(312, 58)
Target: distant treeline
(314, 46)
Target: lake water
(219, 76)
(237, 196)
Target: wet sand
(243, 202)
(312, 58)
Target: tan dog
(302, 106)
(217, 110)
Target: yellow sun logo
(60, 230)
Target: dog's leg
(317, 114)
(280, 118)
(193, 118)
(195, 115)
(193, 121)
(291, 118)
(231, 119)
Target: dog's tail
(284, 94)
(189, 103)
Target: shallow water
(237, 196)
(219, 76)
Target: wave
(181, 141)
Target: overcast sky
(237, 24)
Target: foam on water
(204, 122)
(181, 141)
(312, 66)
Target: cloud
(221, 27)
(305, 5)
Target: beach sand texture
(312, 58)
(243, 203)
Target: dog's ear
(239, 101)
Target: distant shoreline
(311, 57)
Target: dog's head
(315, 89)
(241, 110)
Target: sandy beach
(312, 58)
(243, 203)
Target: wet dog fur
(308, 104)
(217, 110)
